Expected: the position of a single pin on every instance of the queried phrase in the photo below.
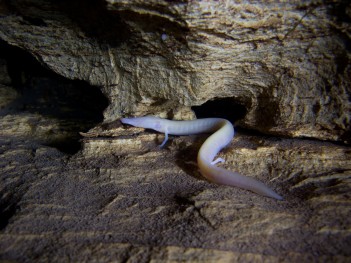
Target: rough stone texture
(122, 199)
(282, 67)
(286, 63)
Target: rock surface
(121, 198)
(273, 67)
(286, 64)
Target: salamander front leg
(165, 139)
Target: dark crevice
(69, 106)
(183, 202)
(7, 211)
(226, 108)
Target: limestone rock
(286, 63)
(280, 68)
(122, 198)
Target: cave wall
(287, 63)
(77, 185)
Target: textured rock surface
(287, 64)
(282, 67)
(122, 199)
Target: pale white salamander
(223, 134)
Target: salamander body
(223, 133)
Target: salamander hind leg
(218, 160)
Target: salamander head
(148, 122)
